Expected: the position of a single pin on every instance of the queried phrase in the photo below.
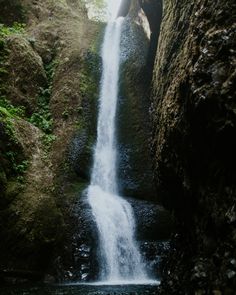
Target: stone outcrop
(133, 126)
(49, 84)
(135, 164)
(194, 124)
(153, 12)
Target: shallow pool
(82, 290)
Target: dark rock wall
(153, 11)
(134, 128)
(194, 125)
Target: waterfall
(119, 256)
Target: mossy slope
(49, 84)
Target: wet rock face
(193, 147)
(78, 260)
(133, 126)
(153, 222)
(154, 226)
(138, 48)
(153, 12)
(153, 253)
(80, 154)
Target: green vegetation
(16, 28)
(7, 110)
(48, 140)
(17, 164)
(7, 113)
(19, 168)
(5, 31)
(43, 118)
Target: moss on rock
(51, 69)
(24, 87)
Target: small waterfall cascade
(119, 256)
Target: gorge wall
(193, 146)
(50, 69)
(49, 84)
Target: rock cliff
(194, 125)
(49, 69)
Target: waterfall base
(119, 283)
(119, 256)
(82, 290)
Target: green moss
(19, 167)
(6, 31)
(11, 152)
(48, 140)
(16, 28)
(7, 110)
(43, 117)
(10, 111)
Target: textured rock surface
(135, 173)
(153, 222)
(153, 11)
(51, 68)
(194, 125)
(26, 73)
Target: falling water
(120, 259)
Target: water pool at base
(82, 290)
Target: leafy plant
(7, 109)
(43, 118)
(21, 167)
(16, 28)
(48, 139)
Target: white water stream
(120, 259)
